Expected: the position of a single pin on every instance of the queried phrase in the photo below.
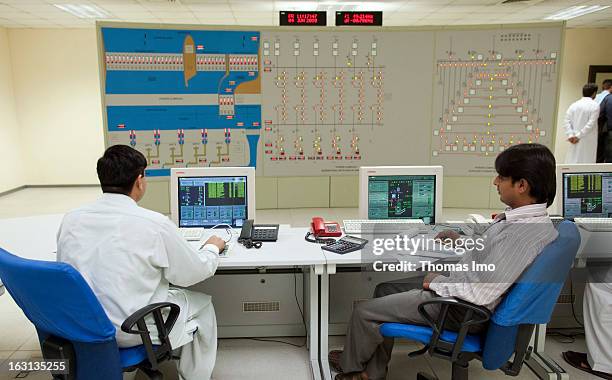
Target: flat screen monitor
(586, 190)
(400, 192)
(205, 197)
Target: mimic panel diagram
(183, 98)
(492, 90)
(329, 105)
(325, 102)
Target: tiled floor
(237, 358)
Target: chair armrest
(164, 351)
(474, 315)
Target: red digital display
(359, 18)
(303, 18)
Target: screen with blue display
(402, 197)
(208, 201)
(587, 195)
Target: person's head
(526, 175)
(589, 90)
(121, 171)
(606, 85)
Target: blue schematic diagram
(183, 98)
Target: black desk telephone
(252, 235)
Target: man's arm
(186, 265)
(510, 253)
(567, 122)
(591, 123)
(603, 114)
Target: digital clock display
(359, 18)
(303, 18)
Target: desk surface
(290, 249)
(35, 238)
(366, 255)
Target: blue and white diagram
(183, 98)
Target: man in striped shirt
(526, 182)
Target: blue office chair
(529, 302)
(71, 323)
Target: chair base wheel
(426, 376)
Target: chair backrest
(532, 298)
(58, 301)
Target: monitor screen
(402, 197)
(587, 195)
(207, 201)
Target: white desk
(32, 237)
(35, 238)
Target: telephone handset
(321, 228)
(323, 231)
(252, 235)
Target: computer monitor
(400, 192)
(585, 190)
(205, 197)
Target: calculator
(345, 245)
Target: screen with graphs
(587, 194)
(402, 197)
(208, 201)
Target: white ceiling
(42, 14)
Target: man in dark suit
(605, 125)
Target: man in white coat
(581, 127)
(597, 310)
(129, 256)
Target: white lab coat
(597, 310)
(581, 121)
(129, 255)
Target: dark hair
(535, 164)
(119, 168)
(606, 84)
(589, 89)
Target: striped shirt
(514, 239)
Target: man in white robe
(129, 256)
(581, 128)
(597, 310)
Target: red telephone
(321, 228)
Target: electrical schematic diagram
(324, 101)
(183, 98)
(489, 95)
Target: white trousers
(194, 334)
(597, 309)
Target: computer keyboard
(595, 224)
(192, 233)
(384, 226)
